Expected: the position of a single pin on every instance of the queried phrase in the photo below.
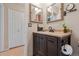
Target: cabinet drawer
(41, 36)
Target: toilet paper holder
(64, 44)
(67, 50)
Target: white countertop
(57, 34)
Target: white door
(16, 19)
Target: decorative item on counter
(65, 28)
(39, 28)
(50, 29)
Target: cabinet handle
(51, 41)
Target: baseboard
(16, 46)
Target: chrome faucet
(50, 29)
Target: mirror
(35, 14)
(55, 12)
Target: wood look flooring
(18, 51)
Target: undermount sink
(58, 32)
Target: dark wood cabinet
(35, 44)
(45, 45)
(42, 45)
(39, 44)
(52, 46)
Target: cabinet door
(39, 45)
(36, 43)
(52, 46)
(42, 45)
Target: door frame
(2, 27)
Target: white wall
(72, 20)
(29, 41)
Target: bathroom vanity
(49, 43)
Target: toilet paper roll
(67, 49)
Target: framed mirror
(55, 12)
(36, 14)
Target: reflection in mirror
(55, 12)
(35, 14)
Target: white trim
(2, 27)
